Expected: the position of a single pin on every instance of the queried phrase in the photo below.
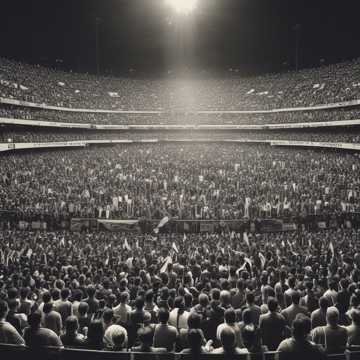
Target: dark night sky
(245, 34)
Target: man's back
(291, 311)
(272, 328)
(318, 318)
(41, 337)
(9, 335)
(294, 350)
(353, 334)
(52, 321)
(64, 308)
(165, 336)
(333, 338)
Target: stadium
(182, 214)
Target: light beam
(182, 6)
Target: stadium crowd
(229, 293)
(17, 134)
(178, 118)
(184, 180)
(326, 84)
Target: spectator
(353, 331)
(318, 316)
(298, 346)
(291, 311)
(37, 337)
(272, 326)
(95, 335)
(51, 319)
(165, 335)
(332, 337)
(145, 336)
(8, 333)
(230, 322)
(71, 337)
(228, 342)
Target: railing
(337, 105)
(83, 143)
(221, 127)
(15, 352)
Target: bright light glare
(182, 6)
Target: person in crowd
(116, 337)
(272, 326)
(64, 306)
(13, 316)
(179, 316)
(165, 335)
(230, 322)
(228, 342)
(37, 337)
(332, 337)
(196, 346)
(8, 333)
(51, 319)
(95, 335)
(353, 330)
(318, 316)
(250, 333)
(254, 309)
(123, 309)
(72, 338)
(145, 336)
(292, 310)
(298, 346)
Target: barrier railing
(336, 105)
(15, 352)
(220, 127)
(83, 143)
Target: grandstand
(180, 217)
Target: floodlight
(182, 6)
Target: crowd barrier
(28, 145)
(342, 104)
(14, 352)
(220, 127)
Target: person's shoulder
(285, 344)
(240, 351)
(219, 350)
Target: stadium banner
(289, 227)
(271, 225)
(20, 146)
(119, 225)
(43, 123)
(207, 227)
(81, 224)
(334, 145)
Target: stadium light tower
(184, 7)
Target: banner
(120, 225)
(207, 227)
(271, 225)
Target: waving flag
(174, 247)
(331, 248)
(164, 221)
(164, 266)
(126, 245)
(246, 239)
(262, 260)
(29, 253)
